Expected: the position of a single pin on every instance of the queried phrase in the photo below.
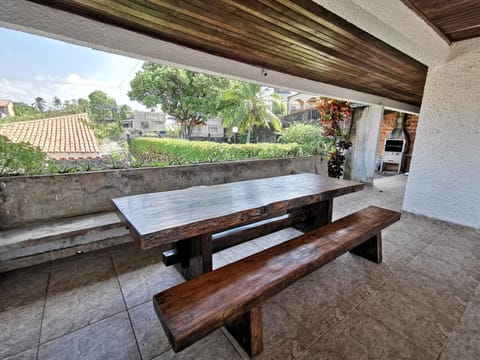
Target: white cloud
(73, 86)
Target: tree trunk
(183, 130)
(248, 135)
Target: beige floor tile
(148, 331)
(359, 337)
(22, 299)
(142, 274)
(81, 291)
(452, 274)
(111, 338)
(314, 304)
(283, 336)
(213, 346)
(422, 325)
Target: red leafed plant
(332, 114)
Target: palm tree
(247, 105)
(57, 103)
(40, 104)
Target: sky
(32, 66)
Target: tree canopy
(102, 107)
(189, 96)
(40, 104)
(247, 105)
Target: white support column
(366, 131)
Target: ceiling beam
(31, 17)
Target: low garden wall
(33, 199)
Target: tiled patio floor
(423, 302)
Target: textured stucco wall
(444, 180)
(29, 199)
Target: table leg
(195, 256)
(319, 214)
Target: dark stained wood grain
(370, 249)
(455, 20)
(241, 234)
(296, 37)
(193, 309)
(247, 329)
(158, 218)
(318, 214)
(194, 255)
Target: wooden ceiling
(295, 37)
(454, 19)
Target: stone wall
(30, 199)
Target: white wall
(364, 142)
(444, 180)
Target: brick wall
(410, 127)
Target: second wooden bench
(232, 295)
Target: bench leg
(370, 249)
(248, 331)
(318, 215)
(195, 256)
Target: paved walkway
(423, 302)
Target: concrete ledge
(31, 245)
(43, 257)
(34, 199)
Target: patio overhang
(298, 45)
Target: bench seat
(232, 295)
(33, 244)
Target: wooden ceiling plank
(345, 56)
(451, 18)
(312, 65)
(292, 50)
(178, 26)
(369, 51)
(315, 12)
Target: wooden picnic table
(190, 218)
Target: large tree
(247, 105)
(102, 107)
(189, 96)
(124, 112)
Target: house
(212, 129)
(145, 121)
(6, 108)
(67, 137)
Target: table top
(169, 216)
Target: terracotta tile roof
(60, 137)
(4, 102)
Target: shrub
(309, 137)
(183, 152)
(19, 158)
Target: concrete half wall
(30, 199)
(444, 180)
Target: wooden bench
(232, 295)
